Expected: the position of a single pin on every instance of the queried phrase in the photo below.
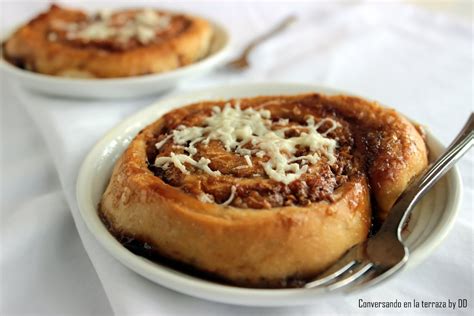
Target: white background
(419, 62)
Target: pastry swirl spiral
(263, 190)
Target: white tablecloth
(418, 62)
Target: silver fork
(384, 254)
(241, 62)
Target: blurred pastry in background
(108, 44)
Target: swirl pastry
(264, 190)
(64, 42)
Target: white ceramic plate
(429, 224)
(122, 87)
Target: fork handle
(418, 188)
(275, 30)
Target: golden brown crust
(265, 246)
(187, 41)
(397, 151)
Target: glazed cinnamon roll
(262, 191)
(65, 42)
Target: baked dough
(66, 42)
(241, 225)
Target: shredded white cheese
(283, 121)
(248, 160)
(143, 27)
(206, 198)
(233, 189)
(249, 132)
(162, 142)
(178, 160)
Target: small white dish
(128, 87)
(429, 224)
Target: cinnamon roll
(265, 190)
(66, 42)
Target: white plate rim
(201, 288)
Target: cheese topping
(142, 26)
(249, 133)
(206, 198)
(233, 189)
